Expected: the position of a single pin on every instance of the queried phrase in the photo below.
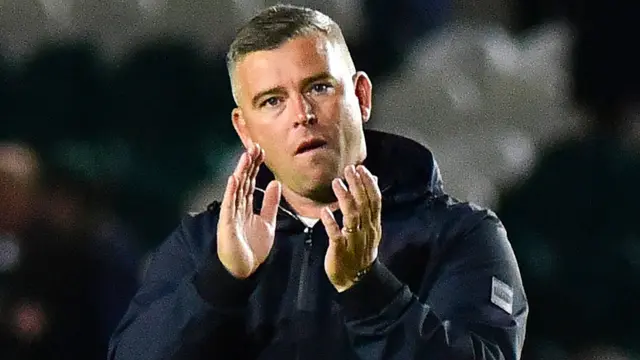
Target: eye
(321, 88)
(271, 102)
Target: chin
(317, 186)
(321, 193)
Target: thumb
(270, 203)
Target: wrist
(360, 274)
(219, 287)
(377, 289)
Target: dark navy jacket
(446, 284)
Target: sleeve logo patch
(502, 295)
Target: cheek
(334, 110)
(271, 138)
(350, 106)
(353, 106)
(264, 126)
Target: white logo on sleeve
(501, 295)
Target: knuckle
(351, 219)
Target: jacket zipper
(301, 299)
(302, 282)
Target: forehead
(293, 61)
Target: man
(348, 264)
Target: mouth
(309, 145)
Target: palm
(244, 238)
(337, 264)
(258, 233)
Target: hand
(354, 247)
(244, 238)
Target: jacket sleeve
(475, 309)
(186, 308)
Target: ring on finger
(351, 230)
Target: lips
(309, 145)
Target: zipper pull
(309, 237)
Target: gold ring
(350, 230)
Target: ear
(363, 88)
(240, 125)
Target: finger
(357, 190)
(256, 154)
(350, 216)
(242, 164)
(258, 158)
(331, 226)
(370, 183)
(227, 208)
(243, 183)
(270, 202)
(251, 154)
(239, 178)
(237, 175)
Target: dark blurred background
(115, 122)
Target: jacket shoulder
(197, 230)
(458, 218)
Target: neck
(309, 206)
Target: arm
(180, 312)
(455, 318)
(190, 305)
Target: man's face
(305, 107)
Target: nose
(304, 111)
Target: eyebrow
(279, 89)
